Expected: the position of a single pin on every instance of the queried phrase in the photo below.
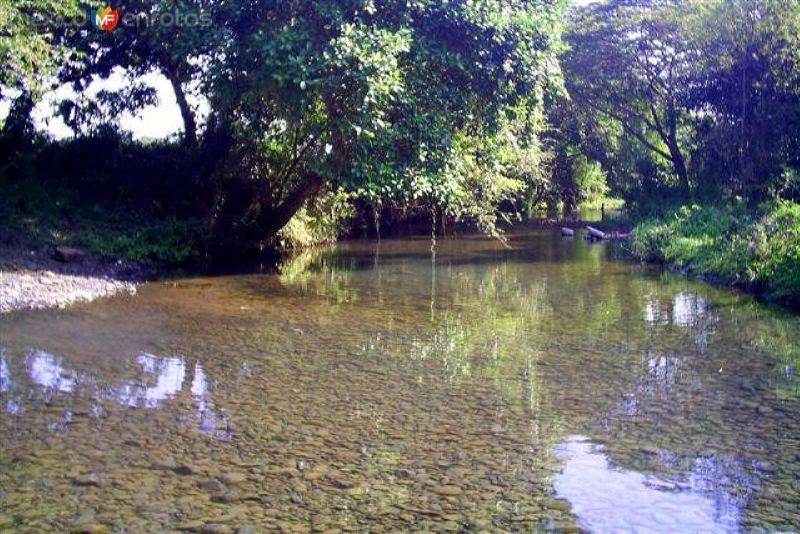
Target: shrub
(761, 253)
(778, 243)
(61, 215)
(322, 220)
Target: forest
(305, 121)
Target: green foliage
(701, 98)
(589, 179)
(610, 204)
(400, 104)
(422, 106)
(169, 242)
(60, 216)
(705, 240)
(29, 47)
(760, 253)
(630, 62)
(107, 194)
(777, 238)
(455, 109)
(323, 219)
(746, 94)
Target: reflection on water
(169, 374)
(46, 370)
(687, 310)
(640, 503)
(158, 379)
(377, 386)
(684, 309)
(5, 376)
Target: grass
(758, 251)
(611, 204)
(60, 216)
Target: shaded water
(546, 386)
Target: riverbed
(549, 385)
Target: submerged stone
(90, 480)
(448, 490)
(215, 528)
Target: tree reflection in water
(426, 394)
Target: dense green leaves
(757, 252)
(397, 102)
(29, 46)
(706, 89)
(417, 105)
(455, 109)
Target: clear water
(546, 386)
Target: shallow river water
(546, 386)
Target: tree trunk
(283, 214)
(679, 165)
(675, 154)
(189, 124)
(18, 124)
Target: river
(551, 385)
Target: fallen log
(594, 233)
(568, 232)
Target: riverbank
(755, 251)
(32, 278)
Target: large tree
(396, 101)
(174, 38)
(630, 61)
(423, 104)
(746, 88)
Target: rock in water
(447, 490)
(92, 529)
(215, 528)
(233, 478)
(92, 479)
(68, 254)
(594, 233)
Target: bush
(704, 240)
(61, 215)
(171, 242)
(761, 253)
(778, 243)
(322, 220)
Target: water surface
(547, 385)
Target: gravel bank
(47, 289)
(30, 278)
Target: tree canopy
(465, 109)
(703, 94)
(415, 104)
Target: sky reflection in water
(639, 503)
(162, 379)
(469, 390)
